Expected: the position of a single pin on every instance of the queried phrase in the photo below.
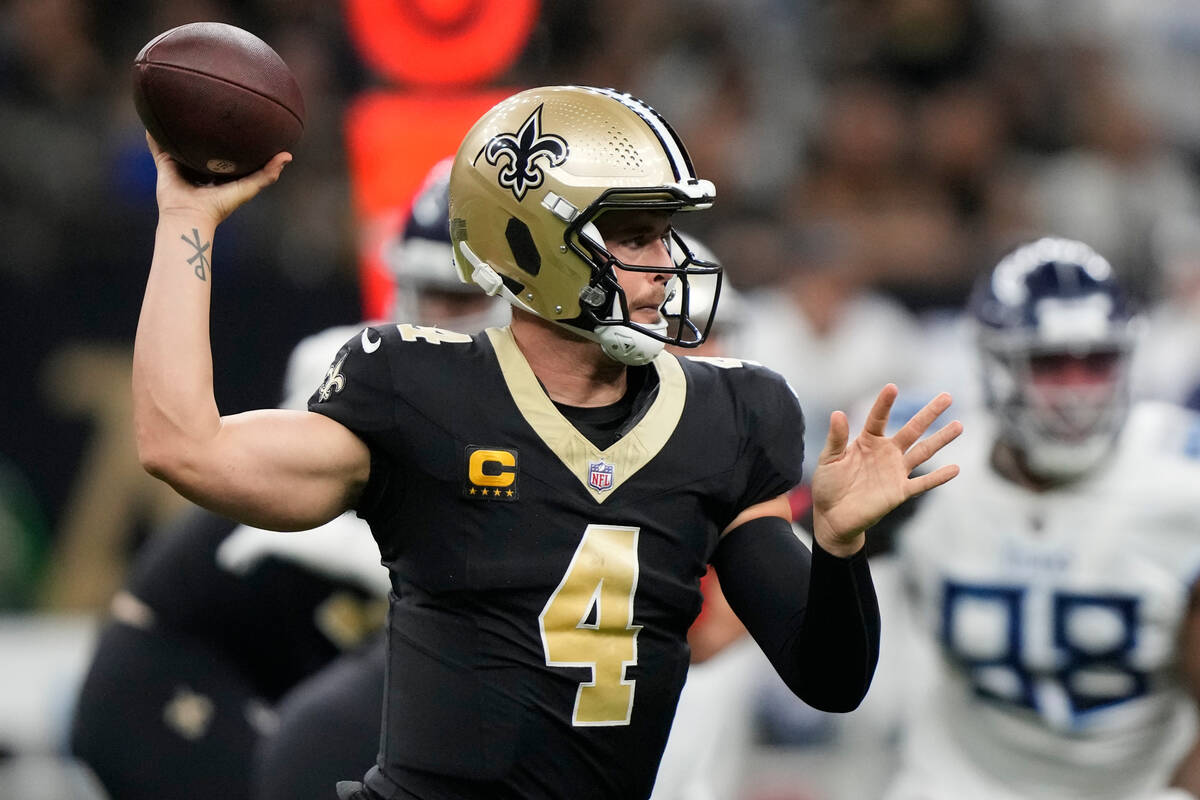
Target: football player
(1054, 582)
(545, 495)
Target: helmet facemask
(1062, 430)
(605, 314)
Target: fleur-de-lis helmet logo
(524, 150)
(334, 381)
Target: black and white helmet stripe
(681, 162)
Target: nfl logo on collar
(491, 474)
(600, 476)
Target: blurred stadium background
(889, 146)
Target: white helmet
(704, 291)
(1053, 298)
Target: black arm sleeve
(814, 615)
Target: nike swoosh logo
(368, 345)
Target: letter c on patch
(492, 468)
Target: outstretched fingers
(835, 440)
(881, 410)
(920, 422)
(923, 483)
(923, 450)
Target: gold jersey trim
(628, 454)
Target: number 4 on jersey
(428, 333)
(588, 622)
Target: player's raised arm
(796, 602)
(276, 469)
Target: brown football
(217, 98)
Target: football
(217, 98)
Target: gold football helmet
(527, 185)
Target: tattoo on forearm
(198, 261)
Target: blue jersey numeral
(1092, 638)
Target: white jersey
(1055, 617)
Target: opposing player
(545, 495)
(1056, 578)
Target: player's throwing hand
(215, 201)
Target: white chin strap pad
(628, 346)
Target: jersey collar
(577, 453)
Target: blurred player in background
(1055, 580)
(221, 622)
(215, 624)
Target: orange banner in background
(393, 140)
(436, 51)
(440, 42)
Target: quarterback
(545, 495)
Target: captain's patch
(491, 473)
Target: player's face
(1073, 390)
(641, 239)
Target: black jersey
(543, 588)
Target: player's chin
(646, 316)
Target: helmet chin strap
(621, 342)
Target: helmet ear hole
(513, 286)
(524, 250)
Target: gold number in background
(588, 622)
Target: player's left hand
(858, 482)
